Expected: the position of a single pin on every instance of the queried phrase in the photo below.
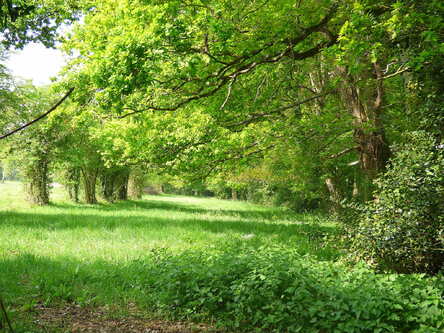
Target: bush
(277, 290)
(403, 229)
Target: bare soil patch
(79, 319)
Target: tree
(77, 151)
(213, 54)
(251, 77)
(136, 182)
(34, 20)
(32, 149)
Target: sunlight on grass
(127, 230)
(83, 253)
(194, 259)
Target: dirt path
(79, 320)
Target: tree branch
(244, 64)
(256, 116)
(238, 156)
(399, 71)
(230, 86)
(40, 117)
(341, 153)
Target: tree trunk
(335, 195)
(73, 184)
(114, 184)
(355, 193)
(369, 134)
(107, 179)
(136, 183)
(37, 182)
(233, 194)
(121, 187)
(89, 184)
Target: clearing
(70, 266)
(170, 263)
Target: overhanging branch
(40, 117)
(244, 64)
(260, 116)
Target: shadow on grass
(140, 223)
(255, 228)
(136, 205)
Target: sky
(36, 62)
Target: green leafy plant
(272, 289)
(403, 229)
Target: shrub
(403, 229)
(277, 290)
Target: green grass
(79, 253)
(235, 264)
(125, 231)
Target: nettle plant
(403, 229)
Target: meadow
(167, 263)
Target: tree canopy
(34, 20)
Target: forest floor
(78, 268)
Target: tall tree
(217, 83)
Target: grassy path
(124, 231)
(164, 262)
(84, 255)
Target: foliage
(308, 89)
(8, 98)
(213, 91)
(202, 123)
(31, 150)
(403, 229)
(34, 20)
(277, 290)
(161, 54)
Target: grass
(125, 231)
(80, 253)
(233, 264)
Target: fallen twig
(5, 315)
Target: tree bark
(107, 185)
(366, 109)
(335, 195)
(89, 184)
(136, 183)
(114, 184)
(37, 181)
(73, 184)
(121, 185)
(234, 195)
